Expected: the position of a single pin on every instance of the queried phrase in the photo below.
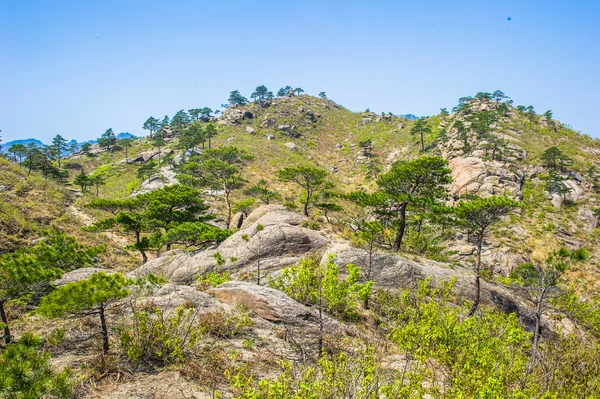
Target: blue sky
(76, 68)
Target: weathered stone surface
(281, 242)
(164, 177)
(265, 302)
(250, 130)
(466, 174)
(395, 272)
(291, 146)
(80, 274)
(173, 296)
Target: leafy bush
(313, 283)
(156, 337)
(212, 279)
(222, 324)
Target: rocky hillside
(280, 300)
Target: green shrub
(156, 337)
(313, 283)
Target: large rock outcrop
(281, 242)
(396, 272)
(270, 304)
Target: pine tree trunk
(537, 331)
(228, 204)
(104, 331)
(477, 275)
(7, 336)
(401, 228)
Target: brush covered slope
(293, 248)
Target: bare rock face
(467, 174)
(80, 275)
(265, 302)
(233, 116)
(171, 296)
(164, 177)
(280, 243)
(396, 272)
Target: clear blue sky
(76, 68)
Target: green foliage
(87, 297)
(161, 338)
(25, 372)
(213, 279)
(235, 98)
(342, 375)
(245, 206)
(315, 284)
(310, 179)
(408, 186)
(421, 129)
(475, 357)
(224, 325)
(554, 158)
(22, 270)
(262, 192)
(193, 234)
(219, 169)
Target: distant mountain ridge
(39, 143)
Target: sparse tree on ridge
(284, 91)
(152, 125)
(19, 151)
(444, 113)
(309, 178)
(59, 145)
(220, 169)
(235, 98)
(421, 128)
(323, 95)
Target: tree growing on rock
(298, 91)
(477, 216)
(309, 178)
(220, 169)
(93, 296)
(108, 140)
(255, 246)
(444, 113)
(152, 125)
(323, 95)
(413, 185)
(235, 99)
(284, 91)
(555, 158)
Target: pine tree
(93, 296)
(477, 216)
(309, 178)
(59, 145)
(419, 184)
(220, 169)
